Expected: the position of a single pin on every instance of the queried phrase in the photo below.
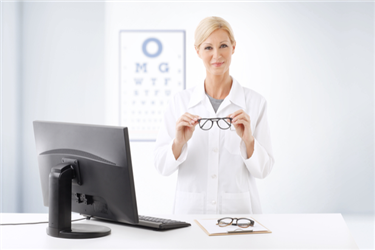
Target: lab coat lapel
(236, 96)
(199, 97)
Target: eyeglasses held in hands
(240, 222)
(207, 123)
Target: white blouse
(214, 174)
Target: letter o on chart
(158, 43)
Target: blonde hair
(209, 25)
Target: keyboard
(159, 223)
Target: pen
(240, 231)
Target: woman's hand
(241, 122)
(185, 127)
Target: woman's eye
(221, 45)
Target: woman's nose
(217, 54)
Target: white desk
(289, 231)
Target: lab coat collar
(197, 96)
(236, 95)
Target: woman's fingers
(192, 119)
(241, 121)
(184, 124)
(241, 117)
(233, 115)
(239, 114)
(188, 120)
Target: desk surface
(289, 231)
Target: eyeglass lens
(205, 124)
(223, 124)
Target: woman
(216, 167)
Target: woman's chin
(217, 72)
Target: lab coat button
(213, 176)
(216, 150)
(213, 202)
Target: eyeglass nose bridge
(234, 221)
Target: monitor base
(80, 231)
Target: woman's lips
(217, 64)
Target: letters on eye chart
(152, 69)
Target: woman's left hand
(241, 122)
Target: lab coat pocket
(189, 203)
(232, 142)
(236, 203)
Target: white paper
(212, 228)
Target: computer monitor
(86, 169)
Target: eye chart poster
(152, 69)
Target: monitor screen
(102, 184)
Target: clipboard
(229, 231)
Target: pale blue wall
(60, 77)
(11, 189)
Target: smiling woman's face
(216, 52)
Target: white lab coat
(214, 174)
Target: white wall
(312, 61)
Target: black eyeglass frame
(213, 120)
(251, 224)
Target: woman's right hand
(185, 127)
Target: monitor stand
(60, 205)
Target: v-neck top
(215, 102)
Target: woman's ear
(234, 47)
(197, 50)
